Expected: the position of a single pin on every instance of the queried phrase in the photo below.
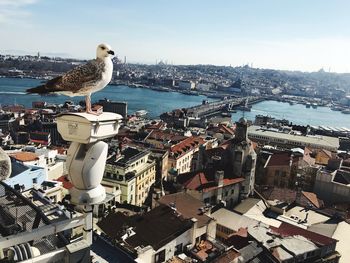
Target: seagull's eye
(103, 48)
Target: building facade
(133, 172)
(181, 154)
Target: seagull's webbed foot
(93, 112)
(88, 106)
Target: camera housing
(87, 154)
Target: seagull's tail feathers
(42, 89)
(45, 88)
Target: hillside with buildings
(204, 79)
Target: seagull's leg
(88, 105)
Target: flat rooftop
(128, 156)
(155, 228)
(188, 206)
(321, 141)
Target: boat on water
(336, 108)
(192, 93)
(347, 111)
(314, 105)
(226, 114)
(308, 105)
(141, 113)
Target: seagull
(82, 80)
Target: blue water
(155, 102)
(297, 114)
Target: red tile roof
(185, 146)
(280, 159)
(286, 230)
(156, 125)
(204, 181)
(221, 128)
(24, 156)
(162, 135)
(312, 197)
(64, 180)
(195, 181)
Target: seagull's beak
(111, 52)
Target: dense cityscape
(191, 185)
(174, 131)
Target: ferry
(141, 113)
(336, 108)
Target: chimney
(219, 178)
(117, 154)
(194, 228)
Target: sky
(304, 35)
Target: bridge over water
(216, 107)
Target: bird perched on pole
(82, 80)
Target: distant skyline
(288, 35)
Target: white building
(186, 84)
(274, 137)
(333, 186)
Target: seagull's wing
(83, 76)
(74, 80)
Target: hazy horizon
(290, 35)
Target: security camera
(87, 154)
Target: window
(178, 249)
(160, 256)
(35, 180)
